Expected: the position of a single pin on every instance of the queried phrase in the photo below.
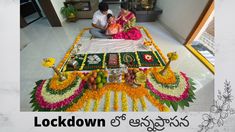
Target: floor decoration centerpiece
(125, 81)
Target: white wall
(179, 16)
(57, 4)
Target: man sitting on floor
(99, 21)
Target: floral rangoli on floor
(125, 81)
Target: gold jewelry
(127, 58)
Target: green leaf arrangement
(66, 11)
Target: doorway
(29, 12)
(201, 40)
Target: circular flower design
(54, 101)
(148, 57)
(173, 93)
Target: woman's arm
(118, 18)
(132, 21)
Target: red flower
(148, 57)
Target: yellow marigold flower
(48, 62)
(107, 101)
(143, 103)
(88, 105)
(124, 102)
(135, 105)
(115, 104)
(147, 43)
(96, 105)
(172, 55)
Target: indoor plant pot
(70, 13)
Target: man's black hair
(103, 7)
(108, 16)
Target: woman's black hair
(103, 7)
(108, 16)
(124, 5)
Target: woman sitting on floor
(127, 19)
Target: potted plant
(70, 12)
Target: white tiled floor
(40, 40)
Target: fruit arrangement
(115, 75)
(97, 79)
(135, 77)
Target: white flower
(208, 122)
(220, 109)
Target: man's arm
(96, 26)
